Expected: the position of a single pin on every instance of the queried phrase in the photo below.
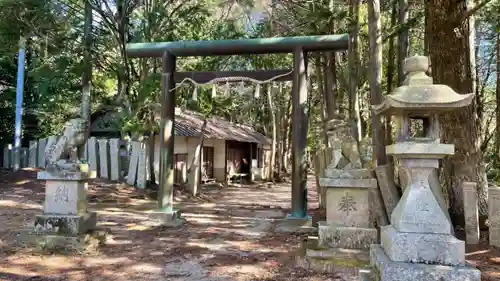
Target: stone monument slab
(7, 151)
(471, 213)
(33, 154)
(134, 161)
(23, 157)
(41, 153)
(142, 167)
(93, 157)
(388, 189)
(115, 159)
(103, 158)
(494, 215)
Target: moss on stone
(342, 262)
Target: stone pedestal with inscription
(349, 220)
(349, 187)
(346, 235)
(66, 222)
(65, 209)
(419, 245)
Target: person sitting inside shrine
(245, 169)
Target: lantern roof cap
(419, 94)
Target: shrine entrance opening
(300, 46)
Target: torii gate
(300, 46)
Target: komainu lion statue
(348, 154)
(62, 156)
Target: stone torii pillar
(299, 135)
(166, 214)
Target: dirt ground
(230, 234)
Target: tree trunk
(151, 156)
(287, 136)
(279, 127)
(452, 64)
(354, 114)
(330, 70)
(497, 140)
(322, 90)
(330, 84)
(390, 74)
(375, 76)
(193, 170)
(426, 32)
(403, 39)
(272, 112)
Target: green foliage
(54, 65)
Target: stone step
(65, 224)
(346, 237)
(315, 250)
(401, 271)
(88, 242)
(340, 261)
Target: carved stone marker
(93, 159)
(390, 194)
(419, 245)
(41, 153)
(115, 159)
(494, 215)
(142, 167)
(349, 223)
(65, 221)
(103, 158)
(7, 152)
(471, 213)
(134, 160)
(33, 154)
(23, 157)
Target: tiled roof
(188, 124)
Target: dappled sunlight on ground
(229, 234)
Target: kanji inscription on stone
(347, 204)
(62, 194)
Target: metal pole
(19, 102)
(165, 194)
(299, 135)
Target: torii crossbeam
(299, 46)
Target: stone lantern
(419, 245)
